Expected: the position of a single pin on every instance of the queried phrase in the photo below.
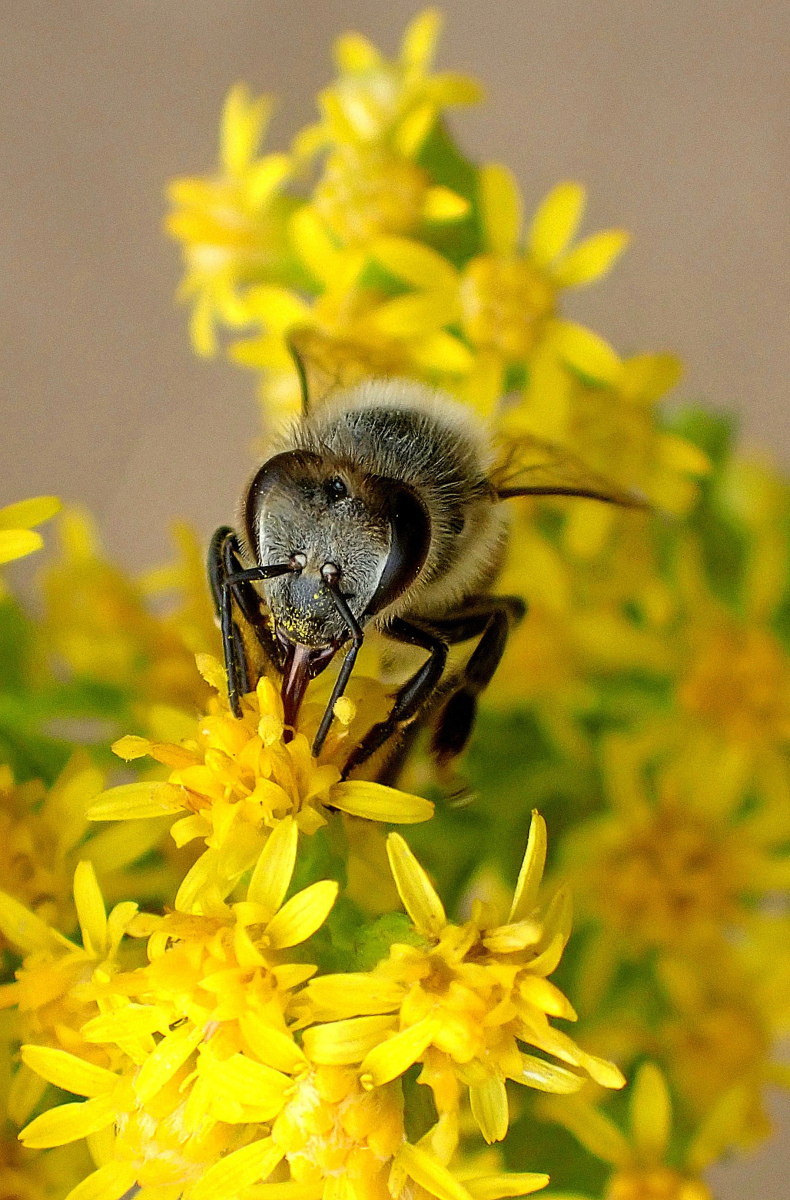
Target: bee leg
(230, 582)
(491, 622)
(411, 696)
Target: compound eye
(337, 489)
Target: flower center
(366, 192)
(504, 302)
(740, 681)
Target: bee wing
(323, 364)
(530, 467)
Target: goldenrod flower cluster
(225, 976)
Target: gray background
(674, 114)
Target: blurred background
(673, 114)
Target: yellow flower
(237, 782)
(97, 621)
(460, 1003)
(232, 226)
(51, 990)
(640, 1163)
(676, 865)
(17, 536)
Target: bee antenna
(330, 573)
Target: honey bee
(382, 506)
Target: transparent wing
(529, 467)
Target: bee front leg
(411, 696)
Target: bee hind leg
(490, 619)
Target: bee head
(337, 526)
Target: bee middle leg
(488, 618)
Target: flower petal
(428, 1172)
(133, 801)
(591, 259)
(68, 1072)
(595, 1131)
(513, 1183)
(555, 222)
(238, 1170)
(69, 1122)
(16, 543)
(91, 912)
(529, 877)
(392, 1057)
(587, 353)
(110, 1182)
(344, 1042)
(500, 204)
(274, 868)
(362, 798)
(338, 996)
(443, 204)
(24, 929)
(547, 1077)
(489, 1107)
(416, 263)
(651, 1113)
(162, 1064)
(305, 912)
(25, 513)
(415, 888)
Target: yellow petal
(489, 1107)
(680, 455)
(345, 1042)
(415, 888)
(362, 798)
(555, 222)
(428, 1172)
(243, 124)
(651, 1114)
(265, 177)
(596, 1132)
(500, 204)
(418, 44)
(272, 1046)
(547, 1076)
(443, 204)
(546, 996)
(647, 377)
(131, 1021)
(587, 353)
(451, 87)
(16, 543)
(238, 1170)
(68, 1072)
(414, 127)
(274, 868)
(314, 245)
(289, 1190)
(91, 912)
(69, 1123)
(305, 912)
(161, 1065)
(416, 263)
(110, 1182)
(25, 513)
(24, 929)
(354, 54)
(591, 259)
(507, 939)
(134, 801)
(240, 1079)
(392, 1057)
(443, 353)
(338, 996)
(409, 316)
(529, 877)
(495, 1187)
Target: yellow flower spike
(500, 205)
(90, 910)
(238, 1170)
(274, 868)
(529, 877)
(555, 222)
(17, 538)
(302, 915)
(651, 1113)
(414, 888)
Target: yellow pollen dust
(740, 681)
(656, 1183)
(504, 302)
(365, 192)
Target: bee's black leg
(230, 582)
(411, 696)
(490, 619)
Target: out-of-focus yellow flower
(97, 622)
(677, 862)
(33, 1175)
(17, 535)
(51, 987)
(237, 781)
(232, 226)
(641, 1164)
(461, 1003)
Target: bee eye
(337, 489)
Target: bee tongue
(302, 664)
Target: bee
(382, 507)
